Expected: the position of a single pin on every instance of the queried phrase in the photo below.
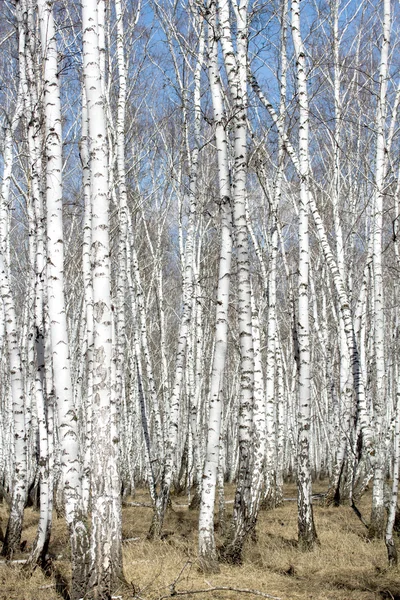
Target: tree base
(376, 529)
(231, 553)
(392, 553)
(307, 545)
(308, 538)
(155, 530)
(209, 566)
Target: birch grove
(199, 248)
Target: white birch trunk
(136, 367)
(389, 541)
(259, 423)
(236, 68)
(339, 485)
(19, 485)
(87, 396)
(377, 521)
(67, 421)
(44, 419)
(306, 528)
(105, 541)
(207, 548)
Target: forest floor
(345, 566)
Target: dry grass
(346, 566)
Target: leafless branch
(219, 588)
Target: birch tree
(376, 528)
(105, 566)
(306, 527)
(67, 420)
(207, 547)
(19, 485)
(235, 61)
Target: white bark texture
(207, 548)
(67, 419)
(235, 61)
(105, 566)
(377, 521)
(11, 339)
(306, 528)
(19, 485)
(389, 541)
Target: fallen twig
(219, 588)
(47, 587)
(173, 584)
(313, 497)
(21, 561)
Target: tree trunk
(105, 567)
(377, 520)
(306, 527)
(67, 419)
(207, 548)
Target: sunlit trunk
(105, 567)
(306, 527)
(207, 548)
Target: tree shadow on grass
(280, 540)
(388, 590)
(62, 587)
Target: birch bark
(207, 548)
(306, 527)
(105, 541)
(19, 484)
(389, 541)
(88, 304)
(274, 488)
(67, 420)
(236, 69)
(377, 521)
(30, 85)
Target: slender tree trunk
(20, 435)
(259, 424)
(389, 541)
(44, 418)
(207, 549)
(236, 69)
(338, 484)
(67, 420)
(29, 83)
(306, 527)
(19, 486)
(377, 521)
(105, 567)
(87, 394)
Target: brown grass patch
(346, 566)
